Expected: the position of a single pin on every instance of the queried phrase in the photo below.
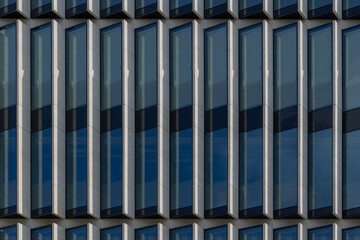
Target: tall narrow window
(113, 233)
(146, 9)
(146, 121)
(78, 233)
(351, 233)
(111, 121)
(181, 157)
(351, 125)
(253, 233)
(324, 233)
(213, 7)
(9, 233)
(251, 9)
(320, 122)
(286, 9)
(43, 233)
(285, 122)
(76, 8)
(181, 9)
(251, 159)
(8, 120)
(41, 8)
(76, 121)
(148, 233)
(287, 233)
(183, 233)
(320, 9)
(218, 233)
(111, 9)
(216, 110)
(41, 121)
(351, 9)
(8, 8)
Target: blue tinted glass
(149, 233)
(285, 67)
(314, 4)
(351, 176)
(216, 167)
(219, 233)
(254, 233)
(39, 3)
(111, 169)
(5, 3)
(111, 67)
(244, 4)
(78, 233)
(145, 67)
(41, 156)
(216, 67)
(8, 233)
(174, 4)
(184, 233)
(278, 4)
(320, 169)
(41, 233)
(351, 69)
(143, 3)
(320, 67)
(109, 3)
(289, 233)
(181, 169)
(74, 3)
(324, 233)
(8, 168)
(76, 69)
(8, 66)
(347, 4)
(251, 67)
(285, 169)
(41, 67)
(181, 67)
(146, 169)
(351, 234)
(251, 162)
(214, 3)
(76, 170)
(113, 233)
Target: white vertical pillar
(58, 6)
(127, 232)
(22, 232)
(93, 233)
(198, 8)
(198, 232)
(233, 232)
(163, 7)
(337, 233)
(267, 232)
(129, 7)
(93, 7)
(268, 8)
(162, 232)
(337, 8)
(23, 7)
(303, 8)
(233, 8)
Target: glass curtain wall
(43, 233)
(218, 233)
(288, 233)
(148, 233)
(113, 233)
(9, 233)
(78, 233)
(183, 233)
(324, 233)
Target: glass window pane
(78, 233)
(285, 169)
(174, 4)
(146, 169)
(111, 169)
(8, 66)
(216, 167)
(43, 233)
(254, 233)
(181, 67)
(324, 233)
(214, 3)
(74, 3)
(41, 171)
(278, 4)
(181, 169)
(149, 233)
(39, 3)
(41, 67)
(320, 169)
(251, 162)
(351, 69)
(109, 3)
(351, 176)
(351, 234)
(76, 69)
(113, 233)
(8, 168)
(143, 3)
(289, 233)
(8, 233)
(184, 233)
(76, 170)
(285, 67)
(111, 67)
(320, 67)
(5, 3)
(347, 4)
(251, 67)
(314, 4)
(219, 233)
(216, 67)
(249, 3)
(146, 67)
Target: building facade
(179, 119)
